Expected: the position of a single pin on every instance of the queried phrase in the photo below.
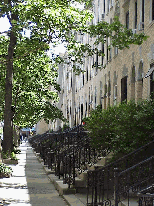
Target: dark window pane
(127, 20)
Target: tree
(49, 21)
(32, 79)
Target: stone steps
(132, 202)
(80, 180)
(77, 195)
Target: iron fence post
(96, 181)
(116, 172)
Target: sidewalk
(29, 184)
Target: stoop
(60, 186)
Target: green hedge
(122, 128)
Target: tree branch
(5, 32)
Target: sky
(4, 24)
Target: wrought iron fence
(66, 151)
(101, 182)
(133, 180)
(146, 196)
(75, 154)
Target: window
(115, 92)
(102, 53)
(140, 71)
(141, 24)
(143, 11)
(71, 82)
(87, 74)
(127, 20)
(109, 88)
(75, 117)
(95, 96)
(152, 10)
(116, 50)
(83, 79)
(67, 112)
(109, 85)
(152, 82)
(133, 83)
(81, 111)
(101, 87)
(117, 8)
(104, 6)
(136, 15)
(107, 51)
(91, 94)
(133, 74)
(139, 87)
(93, 60)
(105, 90)
(108, 6)
(111, 3)
(98, 19)
(91, 97)
(110, 54)
(90, 73)
(96, 63)
(124, 89)
(115, 88)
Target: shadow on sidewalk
(41, 191)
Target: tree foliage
(33, 76)
(27, 74)
(115, 33)
(123, 128)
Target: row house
(128, 73)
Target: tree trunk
(8, 113)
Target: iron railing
(126, 184)
(100, 183)
(146, 196)
(133, 180)
(67, 151)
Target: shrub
(122, 128)
(13, 156)
(5, 171)
(5, 155)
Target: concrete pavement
(29, 184)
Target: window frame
(127, 19)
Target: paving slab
(29, 184)
(73, 200)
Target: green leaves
(116, 33)
(33, 77)
(122, 128)
(34, 74)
